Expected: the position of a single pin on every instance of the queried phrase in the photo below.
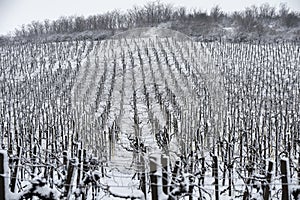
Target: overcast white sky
(14, 13)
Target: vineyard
(150, 118)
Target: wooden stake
(269, 175)
(153, 177)
(215, 174)
(70, 175)
(16, 170)
(143, 178)
(3, 187)
(165, 177)
(284, 179)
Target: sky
(14, 13)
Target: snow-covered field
(91, 119)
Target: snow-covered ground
(119, 102)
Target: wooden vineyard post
(3, 174)
(65, 159)
(299, 168)
(143, 177)
(165, 177)
(80, 167)
(16, 170)
(216, 174)
(153, 177)
(284, 179)
(230, 169)
(202, 175)
(69, 180)
(269, 175)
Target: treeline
(255, 19)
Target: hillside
(106, 119)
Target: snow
(109, 131)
